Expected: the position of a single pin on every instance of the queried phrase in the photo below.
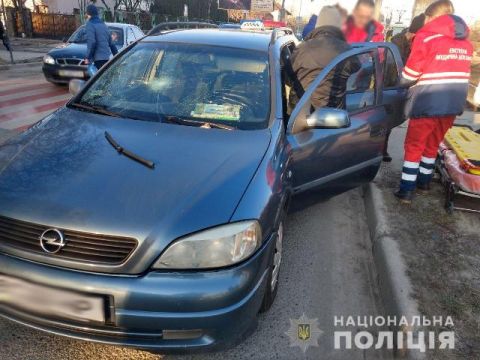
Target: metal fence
(58, 26)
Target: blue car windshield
(161, 81)
(80, 36)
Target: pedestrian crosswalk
(25, 101)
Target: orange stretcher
(465, 143)
(459, 168)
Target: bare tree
(116, 5)
(131, 5)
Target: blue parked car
(150, 210)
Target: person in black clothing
(404, 39)
(4, 37)
(320, 47)
(404, 42)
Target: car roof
(120, 25)
(251, 40)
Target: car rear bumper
(164, 311)
(52, 73)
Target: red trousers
(424, 136)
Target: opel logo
(52, 241)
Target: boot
(405, 196)
(423, 187)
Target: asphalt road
(327, 271)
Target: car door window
(117, 35)
(361, 84)
(393, 95)
(390, 69)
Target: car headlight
(47, 59)
(217, 247)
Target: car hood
(63, 173)
(69, 50)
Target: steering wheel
(246, 106)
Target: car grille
(79, 246)
(66, 61)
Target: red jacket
(373, 32)
(440, 65)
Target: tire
(273, 275)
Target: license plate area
(52, 302)
(70, 73)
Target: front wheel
(276, 261)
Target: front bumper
(164, 311)
(52, 73)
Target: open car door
(341, 146)
(394, 95)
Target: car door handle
(377, 131)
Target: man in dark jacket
(4, 38)
(99, 41)
(320, 47)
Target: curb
(19, 65)
(394, 284)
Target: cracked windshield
(161, 82)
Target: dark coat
(320, 47)
(2, 31)
(99, 40)
(404, 45)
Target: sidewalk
(27, 50)
(441, 252)
(20, 56)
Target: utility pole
(6, 31)
(282, 11)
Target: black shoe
(423, 187)
(404, 196)
(387, 157)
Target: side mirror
(75, 86)
(328, 118)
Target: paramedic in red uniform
(439, 70)
(361, 25)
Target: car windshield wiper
(129, 154)
(198, 123)
(95, 109)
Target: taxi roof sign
(252, 25)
